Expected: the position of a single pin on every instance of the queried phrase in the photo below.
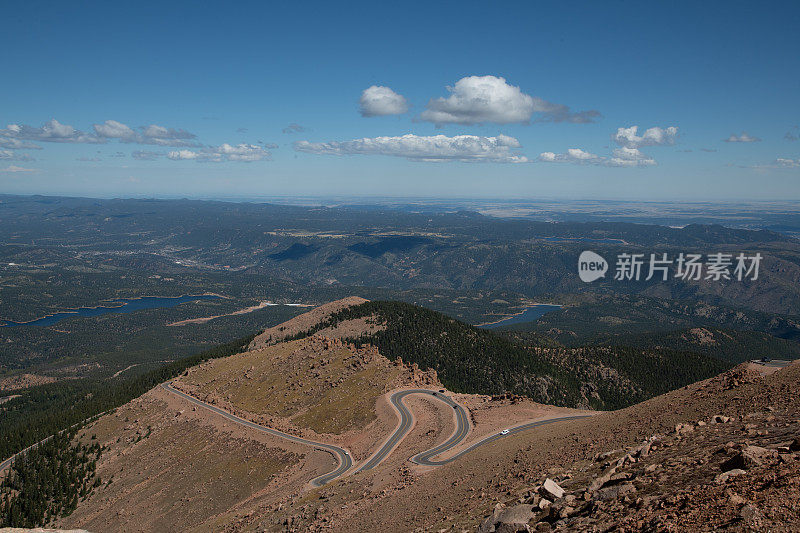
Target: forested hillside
(473, 360)
(47, 481)
(45, 410)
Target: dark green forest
(47, 481)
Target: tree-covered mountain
(47, 481)
(473, 360)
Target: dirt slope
(176, 467)
(168, 468)
(318, 388)
(171, 465)
(302, 322)
(676, 486)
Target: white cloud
(743, 138)
(482, 99)
(626, 155)
(787, 163)
(622, 157)
(161, 136)
(627, 137)
(178, 155)
(15, 169)
(629, 157)
(244, 153)
(11, 155)
(15, 135)
(111, 129)
(779, 163)
(52, 131)
(572, 155)
(435, 148)
(377, 101)
(16, 144)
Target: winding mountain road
(341, 455)
(407, 421)
(425, 458)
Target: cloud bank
(627, 154)
(51, 131)
(435, 148)
(743, 138)
(152, 134)
(11, 155)
(14, 169)
(621, 157)
(783, 162)
(243, 153)
(21, 137)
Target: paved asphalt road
(406, 421)
(777, 363)
(462, 430)
(424, 458)
(342, 455)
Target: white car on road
(504, 432)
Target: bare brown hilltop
(303, 322)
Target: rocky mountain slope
(714, 454)
(739, 471)
(720, 454)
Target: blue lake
(120, 305)
(530, 314)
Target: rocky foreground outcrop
(724, 472)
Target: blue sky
(498, 100)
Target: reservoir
(119, 305)
(530, 314)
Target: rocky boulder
(551, 490)
(749, 457)
(509, 519)
(614, 492)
